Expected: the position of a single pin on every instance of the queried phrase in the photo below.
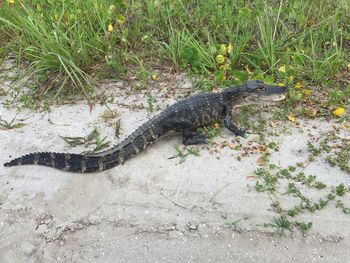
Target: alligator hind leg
(193, 138)
(189, 135)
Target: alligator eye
(261, 89)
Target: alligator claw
(242, 132)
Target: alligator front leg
(189, 135)
(229, 124)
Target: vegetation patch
(271, 178)
(93, 138)
(71, 44)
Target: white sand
(152, 209)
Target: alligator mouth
(273, 97)
(274, 93)
(271, 94)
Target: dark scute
(60, 162)
(44, 158)
(110, 165)
(75, 162)
(91, 161)
(26, 159)
(139, 142)
(128, 151)
(148, 136)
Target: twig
(184, 207)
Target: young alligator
(185, 115)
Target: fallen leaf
(313, 112)
(291, 117)
(251, 177)
(260, 161)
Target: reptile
(183, 116)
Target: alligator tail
(98, 162)
(65, 161)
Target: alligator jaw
(273, 97)
(274, 93)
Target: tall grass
(70, 43)
(63, 41)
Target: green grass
(70, 44)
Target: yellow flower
(280, 84)
(298, 85)
(223, 49)
(154, 76)
(144, 38)
(348, 66)
(306, 91)
(111, 8)
(216, 126)
(121, 19)
(110, 28)
(230, 48)
(282, 69)
(291, 117)
(338, 112)
(10, 1)
(220, 59)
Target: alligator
(183, 116)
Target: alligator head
(259, 91)
(256, 92)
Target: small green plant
(266, 181)
(273, 145)
(280, 225)
(235, 223)
(341, 205)
(341, 158)
(340, 190)
(335, 156)
(304, 227)
(5, 125)
(185, 152)
(294, 211)
(91, 139)
(150, 102)
(313, 149)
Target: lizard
(183, 116)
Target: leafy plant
(5, 125)
(280, 225)
(184, 153)
(91, 139)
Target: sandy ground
(152, 208)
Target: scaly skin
(185, 115)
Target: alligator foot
(241, 132)
(195, 139)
